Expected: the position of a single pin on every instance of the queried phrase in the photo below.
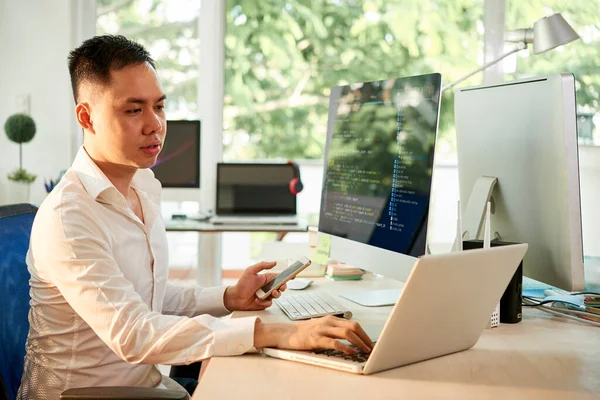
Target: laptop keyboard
(359, 357)
(252, 220)
(310, 305)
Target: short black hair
(96, 57)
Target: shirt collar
(97, 184)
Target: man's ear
(84, 116)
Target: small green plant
(20, 128)
(20, 175)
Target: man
(102, 312)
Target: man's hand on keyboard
(242, 297)
(319, 333)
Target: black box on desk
(510, 303)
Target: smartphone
(281, 278)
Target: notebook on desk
(255, 194)
(443, 308)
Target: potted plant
(20, 128)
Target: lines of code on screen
(379, 161)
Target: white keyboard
(311, 305)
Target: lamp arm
(520, 46)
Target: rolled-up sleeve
(76, 258)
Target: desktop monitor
(378, 170)
(524, 134)
(178, 164)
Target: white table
(208, 257)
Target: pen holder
(510, 303)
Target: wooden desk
(542, 357)
(208, 249)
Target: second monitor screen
(379, 162)
(178, 165)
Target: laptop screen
(255, 189)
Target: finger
(363, 335)
(262, 304)
(276, 293)
(268, 276)
(329, 343)
(256, 268)
(349, 335)
(282, 288)
(357, 329)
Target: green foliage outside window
(283, 56)
(169, 30)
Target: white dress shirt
(102, 312)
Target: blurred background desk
(209, 261)
(542, 357)
(187, 225)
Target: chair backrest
(15, 230)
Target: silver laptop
(255, 193)
(255, 219)
(446, 303)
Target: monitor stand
(474, 213)
(374, 298)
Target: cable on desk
(584, 293)
(561, 312)
(536, 303)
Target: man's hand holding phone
(242, 296)
(279, 281)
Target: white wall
(589, 169)
(35, 39)
(441, 230)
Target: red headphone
(296, 185)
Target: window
(580, 57)
(283, 56)
(168, 29)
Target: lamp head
(547, 33)
(551, 32)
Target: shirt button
(241, 348)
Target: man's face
(127, 117)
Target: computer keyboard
(359, 357)
(311, 305)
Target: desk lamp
(547, 33)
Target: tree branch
(300, 87)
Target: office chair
(15, 229)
